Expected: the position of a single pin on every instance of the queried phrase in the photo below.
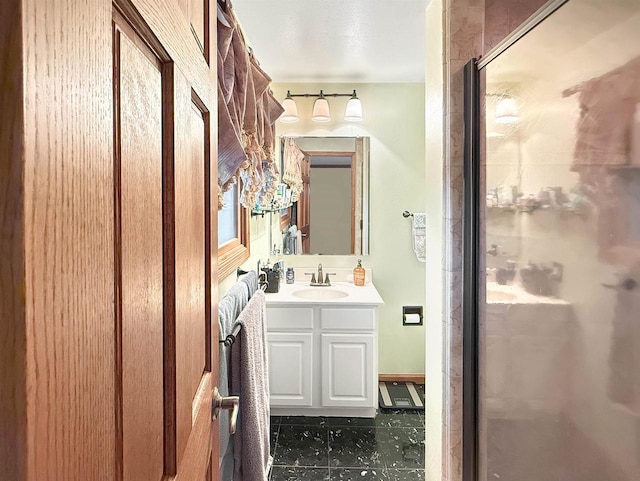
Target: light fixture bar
(321, 94)
(321, 112)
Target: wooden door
(165, 354)
(108, 245)
(358, 180)
(304, 205)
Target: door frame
(471, 271)
(353, 167)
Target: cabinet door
(290, 364)
(348, 370)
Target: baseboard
(416, 378)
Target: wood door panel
(141, 227)
(83, 371)
(197, 453)
(166, 26)
(304, 205)
(196, 14)
(56, 259)
(196, 194)
(189, 170)
(357, 172)
(13, 338)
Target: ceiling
(580, 41)
(368, 41)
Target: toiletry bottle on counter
(358, 274)
(291, 276)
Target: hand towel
(420, 235)
(229, 309)
(299, 242)
(249, 380)
(250, 279)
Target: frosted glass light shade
(321, 110)
(353, 112)
(507, 112)
(290, 114)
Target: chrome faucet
(319, 280)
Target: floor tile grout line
(328, 452)
(345, 467)
(275, 448)
(330, 469)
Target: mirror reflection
(561, 231)
(329, 182)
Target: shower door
(552, 296)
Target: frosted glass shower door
(558, 333)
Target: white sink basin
(320, 293)
(499, 296)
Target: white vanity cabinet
(347, 370)
(291, 357)
(290, 348)
(323, 359)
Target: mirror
(329, 177)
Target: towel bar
(231, 338)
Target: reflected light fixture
(290, 114)
(321, 111)
(507, 111)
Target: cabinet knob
(219, 403)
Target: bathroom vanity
(323, 350)
(527, 348)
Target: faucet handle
(326, 278)
(313, 276)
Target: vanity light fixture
(290, 114)
(321, 111)
(353, 112)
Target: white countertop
(514, 294)
(356, 295)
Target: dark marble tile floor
(387, 448)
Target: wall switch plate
(412, 316)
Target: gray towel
(229, 309)
(251, 281)
(249, 380)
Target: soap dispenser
(358, 274)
